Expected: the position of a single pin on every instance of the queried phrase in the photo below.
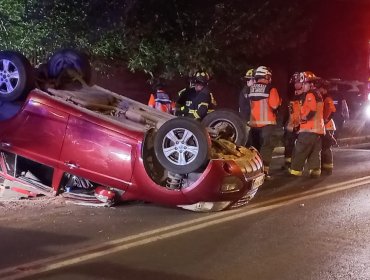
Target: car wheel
(16, 75)
(69, 59)
(182, 145)
(228, 125)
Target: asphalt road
(294, 229)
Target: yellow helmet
(250, 74)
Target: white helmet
(263, 72)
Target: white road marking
(118, 245)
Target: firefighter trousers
(327, 152)
(289, 140)
(261, 138)
(307, 148)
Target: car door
(98, 153)
(35, 132)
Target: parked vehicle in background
(354, 92)
(92, 145)
(353, 106)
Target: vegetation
(160, 37)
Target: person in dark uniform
(196, 101)
(244, 102)
(342, 112)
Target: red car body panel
(206, 188)
(36, 132)
(98, 152)
(100, 149)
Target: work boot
(327, 171)
(294, 173)
(286, 166)
(315, 173)
(266, 170)
(268, 177)
(287, 163)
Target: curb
(341, 142)
(354, 140)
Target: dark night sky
(338, 44)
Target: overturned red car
(92, 145)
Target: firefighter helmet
(250, 74)
(263, 72)
(201, 77)
(308, 77)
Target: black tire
(16, 76)
(195, 149)
(69, 59)
(235, 127)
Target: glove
(182, 111)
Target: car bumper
(211, 192)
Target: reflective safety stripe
(203, 104)
(261, 122)
(288, 160)
(295, 172)
(316, 124)
(264, 100)
(328, 165)
(259, 94)
(194, 113)
(315, 172)
(260, 113)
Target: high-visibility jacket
(161, 101)
(264, 100)
(294, 113)
(329, 109)
(312, 114)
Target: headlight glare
(367, 110)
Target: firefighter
(328, 139)
(342, 113)
(264, 102)
(311, 129)
(244, 102)
(293, 122)
(160, 100)
(196, 101)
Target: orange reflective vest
(264, 100)
(161, 101)
(294, 115)
(312, 103)
(329, 109)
